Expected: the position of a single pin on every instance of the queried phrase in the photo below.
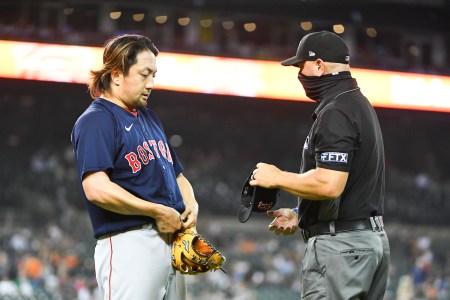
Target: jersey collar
(343, 86)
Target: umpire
(341, 181)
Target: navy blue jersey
(134, 152)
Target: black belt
(333, 227)
(110, 234)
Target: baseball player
(136, 194)
(341, 181)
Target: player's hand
(168, 220)
(189, 216)
(285, 222)
(265, 176)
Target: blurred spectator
(44, 248)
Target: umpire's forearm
(316, 184)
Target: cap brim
(244, 213)
(291, 61)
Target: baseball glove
(192, 254)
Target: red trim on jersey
(134, 111)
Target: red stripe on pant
(110, 268)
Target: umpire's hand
(285, 222)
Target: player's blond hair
(119, 54)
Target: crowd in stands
(46, 242)
(392, 49)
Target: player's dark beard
(141, 103)
(316, 87)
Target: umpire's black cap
(322, 44)
(255, 199)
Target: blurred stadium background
(46, 244)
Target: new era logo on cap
(311, 54)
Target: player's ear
(115, 77)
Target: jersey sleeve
(336, 140)
(178, 168)
(93, 142)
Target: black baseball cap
(322, 44)
(256, 199)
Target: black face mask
(315, 87)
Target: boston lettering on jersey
(144, 154)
